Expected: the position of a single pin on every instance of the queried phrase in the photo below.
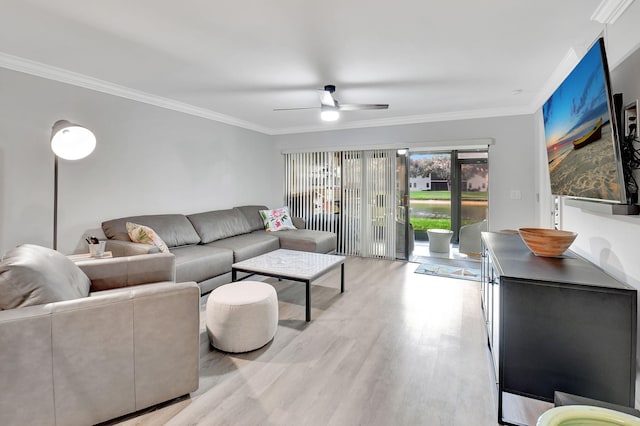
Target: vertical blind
(351, 193)
(312, 188)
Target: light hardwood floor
(397, 348)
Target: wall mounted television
(583, 147)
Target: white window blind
(351, 232)
(312, 188)
(351, 193)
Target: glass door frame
(456, 195)
(402, 202)
(456, 185)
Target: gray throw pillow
(35, 275)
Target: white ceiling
(235, 61)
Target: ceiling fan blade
(328, 102)
(326, 98)
(357, 107)
(294, 109)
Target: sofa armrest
(299, 222)
(129, 248)
(117, 272)
(167, 320)
(26, 366)
(144, 340)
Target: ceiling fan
(330, 107)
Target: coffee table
(292, 265)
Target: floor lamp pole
(55, 202)
(70, 142)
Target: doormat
(452, 268)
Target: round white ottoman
(242, 316)
(439, 240)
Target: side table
(87, 256)
(439, 240)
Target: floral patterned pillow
(277, 219)
(144, 234)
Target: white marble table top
(291, 263)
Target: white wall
(611, 241)
(511, 165)
(147, 160)
(607, 240)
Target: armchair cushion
(35, 275)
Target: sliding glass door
(474, 188)
(380, 201)
(448, 189)
(430, 192)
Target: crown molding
(413, 119)
(566, 65)
(608, 11)
(38, 69)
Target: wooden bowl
(547, 242)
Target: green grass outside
(446, 195)
(430, 195)
(422, 224)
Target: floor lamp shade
(69, 142)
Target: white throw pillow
(144, 234)
(277, 219)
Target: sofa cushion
(307, 240)
(145, 235)
(248, 245)
(252, 214)
(219, 224)
(199, 263)
(277, 219)
(174, 229)
(35, 275)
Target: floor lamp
(70, 142)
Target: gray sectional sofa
(206, 244)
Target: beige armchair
(90, 359)
(470, 238)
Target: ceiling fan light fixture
(329, 114)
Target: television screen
(583, 150)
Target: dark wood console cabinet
(556, 324)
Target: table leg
(308, 308)
(342, 278)
(234, 275)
